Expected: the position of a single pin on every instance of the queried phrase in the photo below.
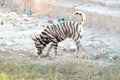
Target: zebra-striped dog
(57, 32)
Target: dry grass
(69, 70)
(64, 70)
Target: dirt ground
(100, 41)
(16, 44)
(16, 31)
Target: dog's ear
(34, 37)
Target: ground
(17, 32)
(102, 48)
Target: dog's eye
(38, 44)
(77, 13)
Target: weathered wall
(111, 23)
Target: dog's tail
(81, 22)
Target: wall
(94, 19)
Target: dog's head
(38, 44)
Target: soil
(17, 30)
(16, 45)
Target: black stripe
(59, 30)
(46, 40)
(62, 29)
(57, 38)
(42, 42)
(68, 29)
(65, 29)
(78, 36)
(61, 34)
(71, 29)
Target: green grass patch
(68, 70)
(101, 56)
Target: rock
(2, 50)
(68, 44)
(1, 23)
(95, 44)
(12, 15)
(9, 43)
(50, 21)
